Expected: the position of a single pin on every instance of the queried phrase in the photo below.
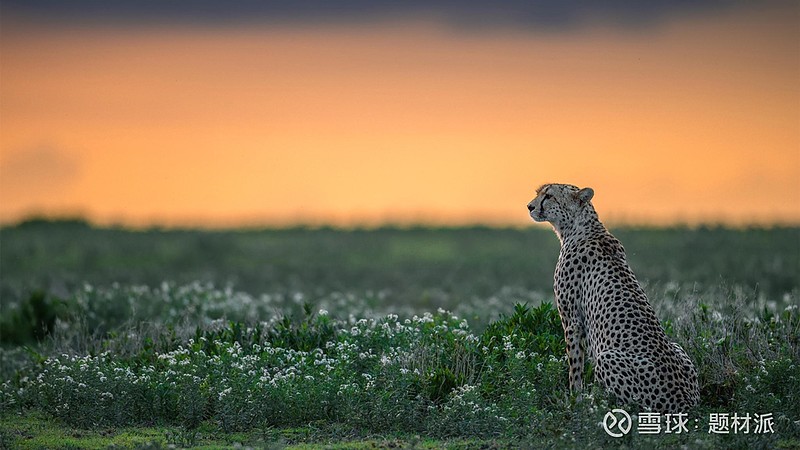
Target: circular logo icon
(617, 423)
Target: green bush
(309, 332)
(33, 320)
(536, 330)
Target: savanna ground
(384, 338)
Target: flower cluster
(239, 378)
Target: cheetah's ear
(584, 195)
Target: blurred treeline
(405, 264)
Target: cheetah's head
(559, 204)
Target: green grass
(335, 338)
(36, 431)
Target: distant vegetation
(387, 337)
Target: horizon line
(79, 220)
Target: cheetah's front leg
(573, 335)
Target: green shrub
(33, 320)
(536, 330)
(309, 332)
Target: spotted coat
(604, 309)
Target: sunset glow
(696, 119)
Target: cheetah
(603, 309)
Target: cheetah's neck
(586, 223)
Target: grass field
(415, 337)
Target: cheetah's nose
(530, 207)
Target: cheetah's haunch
(602, 304)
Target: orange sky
(696, 119)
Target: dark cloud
(461, 14)
(37, 172)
